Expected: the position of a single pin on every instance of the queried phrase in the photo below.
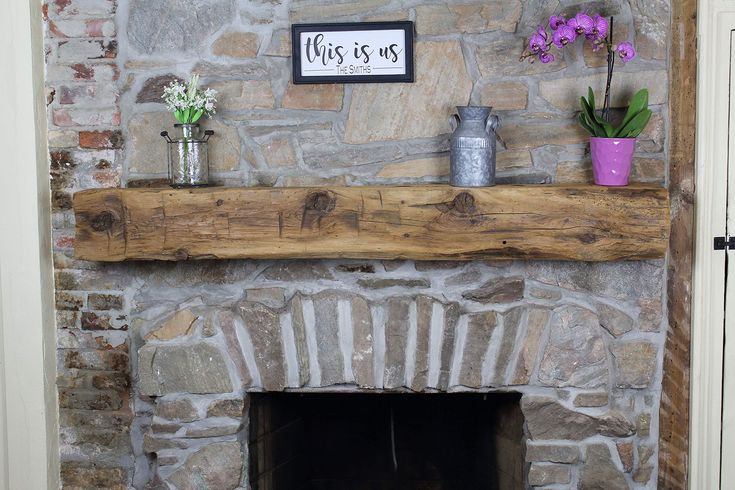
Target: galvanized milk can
(472, 155)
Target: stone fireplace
(563, 358)
(171, 373)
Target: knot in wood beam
(102, 221)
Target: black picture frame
(298, 29)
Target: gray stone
(451, 319)
(511, 323)
(528, 347)
(503, 290)
(468, 18)
(153, 444)
(424, 314)
(541, 474)
(463, 278)
(575, 354)
(297, 270)
(564, 93)
(652, 27)
(374, 283)
(264, 326)
(326, 316)
(217, 431)
(425, 104)
(626, 281)
(396, 334)
(214, 467)
(644, 471)
(613, 320)
(546, 418)
(480, 327)
(306, 12)
(226, 321)
(194, 368)
(152, 90)
(270, 297)
(553, 453)
(229, 407)
(615, 424)
(599, 472)
(168, 26)
(650, 316)
(596, 399)
(180, 410)
(362, 332)
(299, 333)
(502, 56)
(635, 362)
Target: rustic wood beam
(571, 222)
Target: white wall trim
(716, 20)
(29, 428)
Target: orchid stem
(610, 68)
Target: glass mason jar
(188, 159)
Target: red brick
(101, 139)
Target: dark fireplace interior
(386, 441)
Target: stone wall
(583, 342)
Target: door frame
(716, 21)
(29, 452)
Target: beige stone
(389, 16)
(505, 96)
(527, 135)
(502, 57)
(576, 172)
(177, 326)
(536, 322)
(147, 150)
(564, 93)
(279, 152)
(468, 18)
(648, 170)
(513, 159)
(652, 27)
(313, 181)
(238, 95)
(636, 363)
(237, 45)
(325, 97)
(383, 112)
(424, 167)
(325, 11)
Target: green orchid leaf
(591, 98)
(638, 104)
(636, 125)
(586, 125)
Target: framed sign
(360, 52)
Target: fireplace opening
(337, 441)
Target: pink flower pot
(612, 159)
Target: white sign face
(327, 53)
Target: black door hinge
(723, 243)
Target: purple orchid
(596, 29)
(555, 21)
(582, 24)
(600, 26)
(538, 42)
(546, 57)
(564, 35)
(626, 51)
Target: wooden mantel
(424, 222)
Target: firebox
(341, 441)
